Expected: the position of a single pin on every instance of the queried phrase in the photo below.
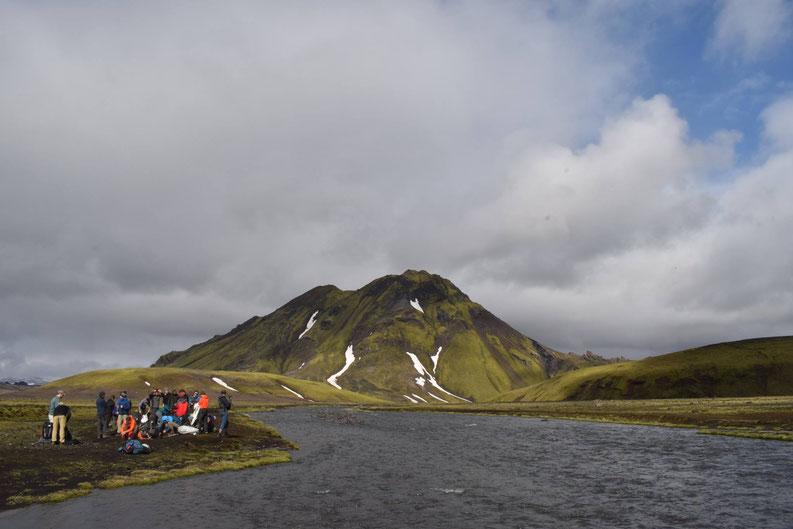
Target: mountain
(412, 336)
(748, 368)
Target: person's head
(166, 391)
(124, 394)
(195, 392)
(101, 394)
(112, 397)
(60, 394)
(223, 392)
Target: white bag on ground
(185, 429)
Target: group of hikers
(160, 413)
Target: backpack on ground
(135, 447)
(46, 430)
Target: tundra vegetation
(40, 472)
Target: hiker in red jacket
(182, 406)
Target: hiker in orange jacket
(128, 427)
(201, 420)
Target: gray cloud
(169, 171)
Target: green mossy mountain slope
(248, 388)
(415, 312)
(748, 368)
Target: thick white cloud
(677, 263)
(747, 30)
(169, 171)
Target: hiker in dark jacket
(101, 416)
(60, 417)
(224, 405)
(110, 406)
(169, 399)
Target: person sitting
(128, 428)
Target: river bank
(755, 417)
(40, 472)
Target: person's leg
(55, 421)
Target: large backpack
(46, 430)
(135, 447)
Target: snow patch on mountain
(411, 399)
(293, 391)
(423, 371)
(434, 359)
(421, 399)
(349, 358)
(219, 381)
(310, 324)
(437, 397)
(420, 381)
(415, 303)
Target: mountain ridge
(366, 337)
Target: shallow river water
(397, 470)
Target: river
(398, 470)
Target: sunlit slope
(462, 351)
(757, 367)
(263, 388)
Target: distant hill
(412, 336)
(757, 367)
(259, 388)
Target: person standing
(110, 406)
(54, 404)
(101, 416)
(123, 406)
(224, 405)
(182, 407)
(60, 416)
(201, 419)
(169, 400)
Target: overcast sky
(609, 176)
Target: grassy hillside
(416, 312)
(252, 388)
(757, 367)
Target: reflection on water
(395, 470)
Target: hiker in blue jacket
(123, 405)
(101, 416)
(54, 404)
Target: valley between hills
(415, 341)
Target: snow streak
(146, 382)
(349, 358)
(293, 391)
(216, 379)
(411, 399)
(310, 324)
(415, 303)
(422, 371)
(422, 400)
(437, 397)
(434, 359)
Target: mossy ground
(757, 417)
(34, 472)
